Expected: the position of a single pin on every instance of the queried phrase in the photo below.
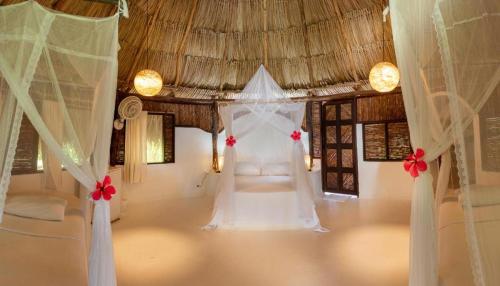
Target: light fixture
(384, 76)
(148, 82)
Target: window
(25, 159)
(160, 139)
(386, 141)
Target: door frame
(338, 146)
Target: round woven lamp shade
(148, 82)
(384, 77)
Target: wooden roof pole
(143, 48)
(266, 35)
(215, 135)
(306, 42)
(182, 46)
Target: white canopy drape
(264, 105)
(67, 63)
(448, 54)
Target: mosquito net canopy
(448, 54)
(263, 127)
(60, 70)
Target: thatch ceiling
(207, 48)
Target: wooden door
(338, 157)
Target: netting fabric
(448, 55)
(50, 61)
(262, 122)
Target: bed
(44, 253)
(455, 265)
(266, 202)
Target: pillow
(276, 169)
(247, 169)
(483, 196)
(36, 206)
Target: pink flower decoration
(295, 135)
(414, 163)
(230, 141)
(103, 190)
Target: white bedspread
(263, 184)
(455, 268)
(44, 253)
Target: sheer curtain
(447, 52)
(135, 149)
(52, 170)
(71, 62)
(154, 137)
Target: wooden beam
(309, 119)
(305, 34)
(346, 95)
(143, 48)
(308, 98)
(215, 136)
(266, 34)
(182, 46)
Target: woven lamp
(148, 82)
(384, 76)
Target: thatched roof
(211, 48)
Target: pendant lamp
(384, 76)
(148, 82)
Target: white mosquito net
(448, 52)
(54, 65)
(262, 122)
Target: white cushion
(36, 206)
(483, 196)
(247, 169)
(276, 169)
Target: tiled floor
(161, 243)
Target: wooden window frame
(386, 130)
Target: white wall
(381, 180)
(193, 158)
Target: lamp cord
(147, 34)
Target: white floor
(161, 243)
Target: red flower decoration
(104, 190)
(414, 163)
(230, 141)
(296, 135)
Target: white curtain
(447, 52)
(264, 105)
(154, 137)
(135, 149)
(71, 62)
(52, 170)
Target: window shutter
(27, 149)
